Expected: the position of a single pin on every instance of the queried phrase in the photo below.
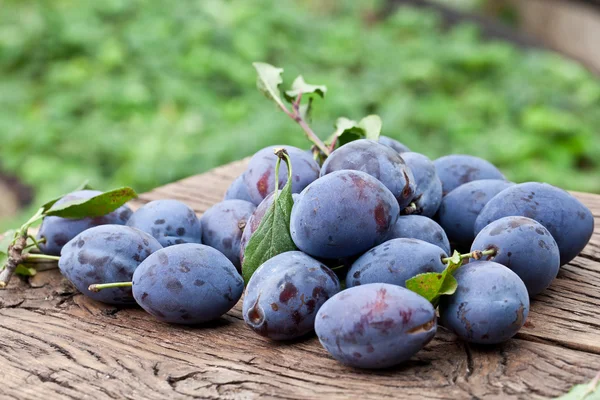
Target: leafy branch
(15, 251)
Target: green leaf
(346, 131)
(585, 391)
(96, 206)
(300, 86)
(84, 186)
(371, 125)
(273, 234)
(433, 285)
(25, 271)
(268, 80)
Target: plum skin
(393, 143)
(259, 177)
(396, 261)
(422, 228)
(377, 325)
(323, 226)
(223, 225)
(428, 192)
(285, 293)
(490, 305)
(58, 231)
(378, 160)
(461, 207)
(525, 246)
(237, 190)
(187, 284)
(569, 221)
(457, 169)
(168, 221)
(106, 254)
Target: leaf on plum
(273, 234)
(433, 285)
(96, 206)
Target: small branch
(15, 257)
(296, 116)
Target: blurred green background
(141, 93)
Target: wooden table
(55, 343)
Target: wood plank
(55, 343)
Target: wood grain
(56, 343)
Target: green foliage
(273, 234)
(433, 285)
(142, 93)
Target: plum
(223, 225)
(377, 325)
(422, 228)
(396, 261)
(285, 293)
(568, 220)
(457, 169)
(377, 160)
(169, 221)
(106, 254)
(187, 284)
(342, 214)
(525, 246)
(490, 305)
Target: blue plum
(187, 284)
(428, 192)
(461, 207)
(396, 261)
(285, 293)
(376, 325)
(490, 305)
(106, 254)
(393, 143)
(568, 220)
(259, 177)
(342, 214)
(58, 231)
(169, 221)
(525, 246)
(422, 228)
(237, 190)
(377, 160)
(457, 169)
(223, 225)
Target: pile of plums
(372, 216)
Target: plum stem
(45, 257)
(410, 209)
(96, 287)
(297, 116)
(475, 254)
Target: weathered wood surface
(55, 343)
